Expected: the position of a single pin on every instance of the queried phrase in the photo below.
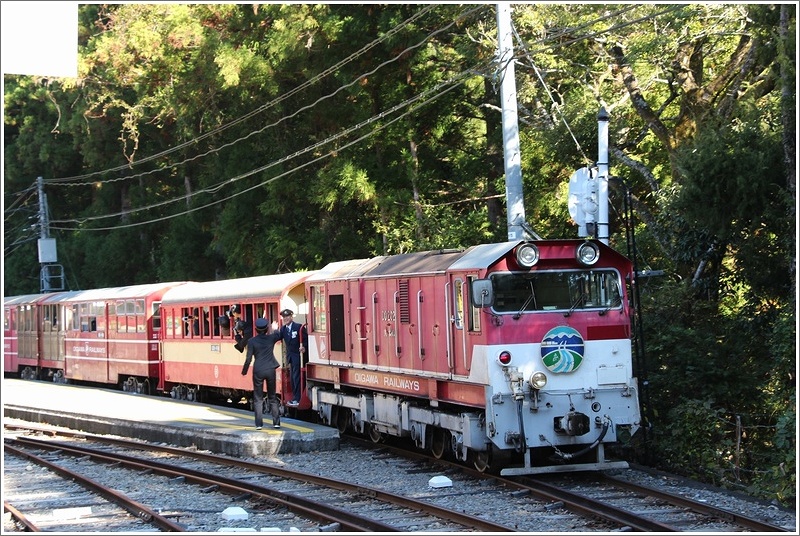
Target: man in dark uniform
(295, 341)
(261, 347)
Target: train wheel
(342, 419)
(439, 441)
(374, 434)
(144, 387)
(481, 459)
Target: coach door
(53, 335)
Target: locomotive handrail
(375, 347)
(419, 330)
(396, 325)
(464, 325)
(449, 322)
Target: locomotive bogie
(365, 413)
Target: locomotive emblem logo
(562, 349)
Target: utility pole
(602, 176)
(51, 275)
(515, 207)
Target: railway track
(622, 503)
(315, 502)
(382, 483)
(74, 502)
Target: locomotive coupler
(573, 423)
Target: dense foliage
(204, 141)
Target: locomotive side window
(319, 319)
(474, 312)
(458, 304)
(337, 323)
(556, 290)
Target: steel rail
(136, 508)
(453, 516)
(703, 508)
(29, 525)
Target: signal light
(504, 358)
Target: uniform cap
(262, 323)
(287, 312)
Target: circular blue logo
(562, 349)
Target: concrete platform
(184, 424)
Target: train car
(24, 319)
(201, 357)
(514, 355)
(105, 336)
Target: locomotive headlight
(504, 358)
(527, 255)
(587, 253)
(538, 380)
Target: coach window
(156, 315)
(7, 320)
(138, 310)
(47, 314)
(172, 323)
(113, 321)
(84, 317)
(66, 313)
(207, 321)
(116, 317)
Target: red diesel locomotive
(513, 356)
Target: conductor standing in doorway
(261, 348)
(295, 339)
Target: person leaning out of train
(261, 350)
(241, 327)
(295, 341)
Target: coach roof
(232, 290)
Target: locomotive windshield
(568, 290)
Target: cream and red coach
(198, 345)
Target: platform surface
(217, 429)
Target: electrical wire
(453, 83)
(217, 187)
(65, 181)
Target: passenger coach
(200, 358)
(107, 336)
(23, 320)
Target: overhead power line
(440, 90)
(80, 180)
